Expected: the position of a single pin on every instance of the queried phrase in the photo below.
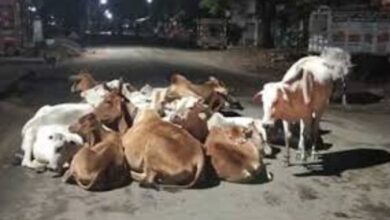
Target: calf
(100, 164)
(61, 116)
(161, 154)
(235, 153)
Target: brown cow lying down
(161, 154)
(194, 120)
(116, 111)
(235, 153)
(100, 164)
(213, 91)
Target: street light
(149, 1)
(108, 14)
(103, 2)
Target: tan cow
(82, 82)
(235, 153)
(116, 111)
(100, 164)
(161, 154)
(303, 100)
(182, 87)
(194, 120)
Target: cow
(302, 96)
(218, 120)
(194, 120)
(60, 116)
(162, 155)
(52, 143)
(182, 87)
(235, 153)
(93, 92)
(100, 164)
(82, 82)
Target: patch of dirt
(271, 199)
(306, 193)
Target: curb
(12, 85)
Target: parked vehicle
(357, 31)
(11, 38)
(212, 33)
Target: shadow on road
(335, 163)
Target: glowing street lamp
(108, 14)
(103, 2)
(149, 1)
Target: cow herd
(176, 136)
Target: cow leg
(139, 177)
(27, 145)
(145, 179)
(264, 137)
(304, 136)
(315, 136)
(68, 176)
(287, 136)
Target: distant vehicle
(212, 33)
(10, 37)
(357, 31)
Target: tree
(215, 7)
(266, 10)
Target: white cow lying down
(218, 120)
(45, 132)
(51, 142)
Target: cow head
(86, 125)
(221, 94)
(274, 98)
(82, 82)
(339, 58)
(116, 111)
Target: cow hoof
(301, 156)
(268, 150)
(314, 155)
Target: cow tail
(89, 185)
(307, 86)
(344, 90)
(198, 172)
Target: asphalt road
(351, 182)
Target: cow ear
(258, 97)
(106, 87)
(202, 116)
(212, 78)
(248, 132)
(74, 78)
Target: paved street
(352, 181)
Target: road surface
(352, 182)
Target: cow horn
(74, 78)
(106, 87)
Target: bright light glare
(32, 8)
(103, 2)
(149, 1)
(108, 14)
